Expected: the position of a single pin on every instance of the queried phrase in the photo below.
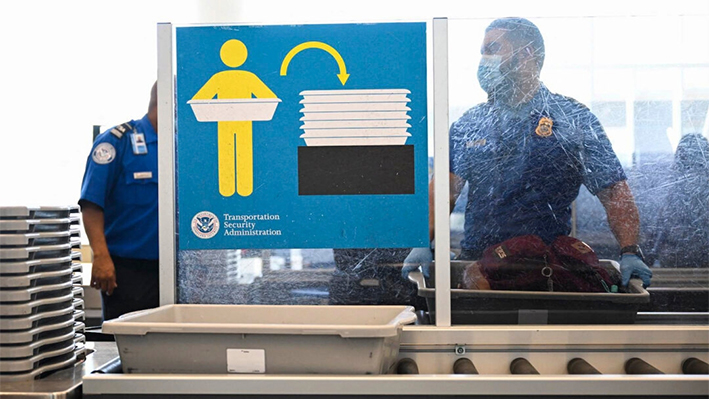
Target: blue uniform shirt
(524, 166)
(125, 185)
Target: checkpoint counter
(493, 352)
(549, 368)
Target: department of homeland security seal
(103, 154)
(205, 225)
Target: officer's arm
(625, 224)
(103, 273)
(622, 213)
(456, 184)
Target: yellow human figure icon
(235, 135)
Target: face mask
(491, 78)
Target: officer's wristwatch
(633, 249)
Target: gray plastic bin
(35, 279)
(35, 239)
(216, 339)
(36, 212)
(8, 324)
(38, 252)
(36, 265)
(21, 226)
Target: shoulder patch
(122, 129)
(104, 153)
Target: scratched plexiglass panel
(575, 127)
(294, 277)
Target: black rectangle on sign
(355, 170)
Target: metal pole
(166, 165)
(440, 171)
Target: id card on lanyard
(137, 140)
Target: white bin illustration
(233, 110)
(370, 117)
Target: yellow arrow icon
(343, 75)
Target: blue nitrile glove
(632, 266)
(418, 257)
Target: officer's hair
(522, 33)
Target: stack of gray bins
(41, 299)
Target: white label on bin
(246, 361)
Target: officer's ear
(527, 52)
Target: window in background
(694, 116)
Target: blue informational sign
(307, 136)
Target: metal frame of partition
(441, 172)
(166, 164)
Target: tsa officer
(525, 153)
(119, 204)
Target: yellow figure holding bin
(234, 110)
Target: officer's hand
(632, 266)
(418, 258)
(103, 274)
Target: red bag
(581, 262)
(526, 263)
(519, 264)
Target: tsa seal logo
(103, 154)
(205, 225)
